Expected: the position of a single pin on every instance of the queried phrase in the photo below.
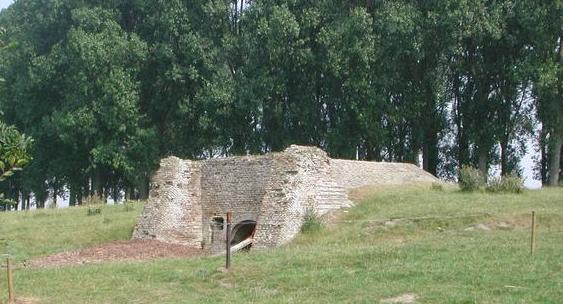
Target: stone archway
(242, 231)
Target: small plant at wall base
(312, 222)
(470, 179)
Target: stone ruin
(268, 195)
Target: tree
(106, 88)
(542, 24)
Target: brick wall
(173, 213)
(236, 184)
(188, 199)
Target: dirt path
(136, 250)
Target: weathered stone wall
(188, 199)
(235, 184)
(352, 174)
(303, 184)
(173, 213)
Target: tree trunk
(79, 195)
(554, 160)
(97, 186)
(240, 13)
(143, 189)
(503, 157)
(17, 201)
(483, 162)
(131, 193)
(115, 192)
(430, 156)
(40, 202)
(90, 187)
(72, 196)
(55, 197)
(557, 133)
(544, 155)
(459, 120)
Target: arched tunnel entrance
(241, 232)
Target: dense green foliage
(355, 260)
(107, 88)
(14, 151)
(14, 155)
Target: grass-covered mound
(426, 243)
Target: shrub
(470, 179)
(506, 184)
(312, 222)
(512, 183)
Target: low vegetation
(508, 184)
(312, 222)
(428, 244)
(471, 179)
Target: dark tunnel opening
(242, 231)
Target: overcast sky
(526, 162)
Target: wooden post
(11, 295)
(228, 242)
(533, 234)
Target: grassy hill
(417, 241)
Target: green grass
(354, 261)
(30, 234)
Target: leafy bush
(506, 184)
(14, 150)
(471, 179)
(312, 222)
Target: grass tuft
(312, 222)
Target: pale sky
(5, 3)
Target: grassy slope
(353, 262)
(30, 234)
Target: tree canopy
(107, 88)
